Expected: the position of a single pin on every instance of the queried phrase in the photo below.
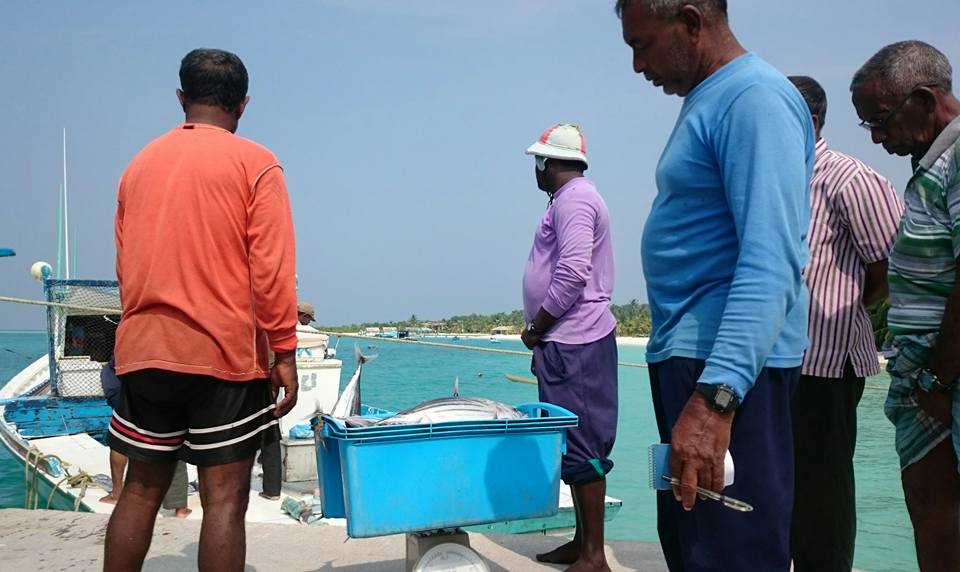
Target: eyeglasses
(877, 124)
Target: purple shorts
(583, 379)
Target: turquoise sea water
(405, 375)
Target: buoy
(41, 270)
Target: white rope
(59, 305)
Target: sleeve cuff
(283, 342)
(553, 308)
(714, 374)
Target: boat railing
(81, 333)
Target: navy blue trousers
(712, 537)
(582, 378)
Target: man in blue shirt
(723, 255)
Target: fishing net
(82, 329)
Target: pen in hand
(728, 502)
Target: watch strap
(721, 397)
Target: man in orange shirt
(205, 261)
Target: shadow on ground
(186, 561)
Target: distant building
(435, 326)
(372, 331)
(503, 330)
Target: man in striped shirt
(903, 94)
(854, 214)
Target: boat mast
(66, 209)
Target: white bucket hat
(562, 141)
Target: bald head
(670, 9)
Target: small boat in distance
(520, 379)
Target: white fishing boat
(53, 415)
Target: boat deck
(82, 452)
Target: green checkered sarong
(916, 432)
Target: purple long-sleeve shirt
(570, 269)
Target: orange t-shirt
(205, 257)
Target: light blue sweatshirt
(725, 244)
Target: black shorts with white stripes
(162, 416)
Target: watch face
(723, 398)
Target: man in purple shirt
(566, 303)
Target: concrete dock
(60, 541)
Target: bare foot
(183, 512)
(565, 554)
(269, 497)
(109, 499)
(590, 565)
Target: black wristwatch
(533, 329)
(722, 398)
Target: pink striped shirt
(854, 215)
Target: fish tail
(361, 358)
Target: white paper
(728, 469)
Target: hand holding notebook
(660, 478)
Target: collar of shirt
(821, 148)
(569, 185)
(947, 137)
(189, 125)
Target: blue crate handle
(551, 409)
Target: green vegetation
(633, 319)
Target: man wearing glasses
(903, 94)
(854, 213)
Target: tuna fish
(454, 408)
(348, 404)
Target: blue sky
(401, 126)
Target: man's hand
(529, 339)
(698, 445)
(542, 323)
(284, 375)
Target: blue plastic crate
(412, 478)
